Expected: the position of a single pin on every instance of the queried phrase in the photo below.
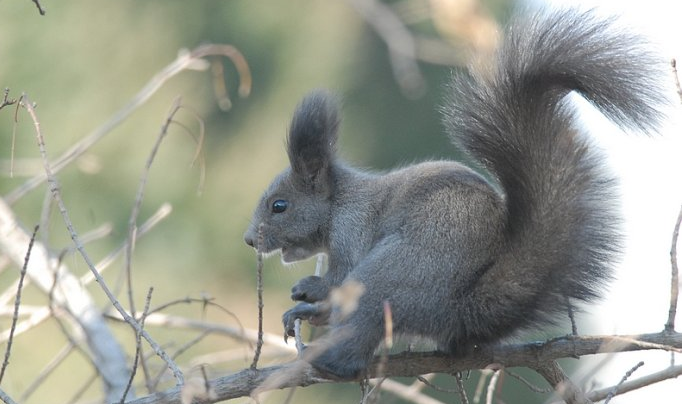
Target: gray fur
(462, 260)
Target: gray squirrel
(464, 258)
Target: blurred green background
(85, 59)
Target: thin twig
(622, 381)
(671, 372)
(6, 101)
(54, 186)
(207, 386)
(492, 386)
(41, 10)
(299, 343)
(135, 211)
(184, 61)
(260, 296)
(674, 283)
(138, 346)
(17, 303)
(461, 390)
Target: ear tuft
(313, 135)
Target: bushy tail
(562, 228)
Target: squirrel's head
(294, 213)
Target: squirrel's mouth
(288, 255)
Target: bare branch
(138, 346)
(492, 386)
(135, 211)
(665, 374)
(17, 303)
(54, 187)
(260, 296)
(674, 284)
(613, 392)
(411, 364)
(461, 390)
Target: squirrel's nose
(249, 240)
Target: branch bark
(411, 364)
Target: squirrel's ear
(313, 136)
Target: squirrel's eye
(279, 206)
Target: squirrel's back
(562, 225)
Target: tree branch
(412, 364)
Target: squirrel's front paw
(310, 289)
(314, 313)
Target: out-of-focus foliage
(84, 60)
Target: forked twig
(138, 347)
